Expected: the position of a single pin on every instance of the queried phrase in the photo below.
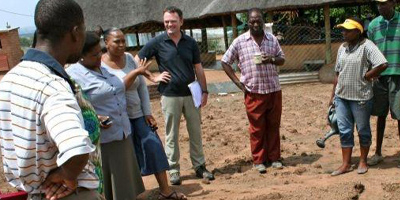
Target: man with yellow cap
(384, 31)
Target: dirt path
(306, 175)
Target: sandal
(338, 172)
(173, 195)
(362, 170)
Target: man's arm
(229, 71)
(61, 116)
(278, 58)
(201, 78)
(62, 181)
(279, 61)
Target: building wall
(11, 47)
(296, 55)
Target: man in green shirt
(384, 31)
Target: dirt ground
(307, 167)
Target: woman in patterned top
(358, 63)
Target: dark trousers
(264, 114)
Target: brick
(11, 47)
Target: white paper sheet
(195, 89)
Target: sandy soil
(307, 167)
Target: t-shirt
(386, 35)
(352, 65)
(41, 126)
(178, 60)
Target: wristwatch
(204, 91)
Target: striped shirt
(386, 35)
(352, 65)
(41, 126)
(257, 78)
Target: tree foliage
(25, 41)
(315, 17)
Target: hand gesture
(56, 186)
(266, 59)
(164, 77)
(102, 119)
(151, 122)
(143, 66)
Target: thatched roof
(144, 15)
(140, 13)
(220, 7)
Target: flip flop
(362, 170)
(338, 172)
(173, 195)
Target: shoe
(260, 168)
(374, 160)
(202, 172)
(277, 165)
(362, 170)
(173, 195)
(175, 178)
(337, 172)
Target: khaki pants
(82, 194)
(173, 108)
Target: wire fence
(304, 46)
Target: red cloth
(21, 195)
(264, 114)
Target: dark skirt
(148, 148)
(122, 178)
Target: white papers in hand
(196, 91)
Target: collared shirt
(137, 95)
(257, 78)
(41, 126)
(178, 60)
(386, 35)
(106, 92)
(352, 65)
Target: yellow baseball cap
(350, 24)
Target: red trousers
(264, 113)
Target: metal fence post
(328, 49)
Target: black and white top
(352, 65)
